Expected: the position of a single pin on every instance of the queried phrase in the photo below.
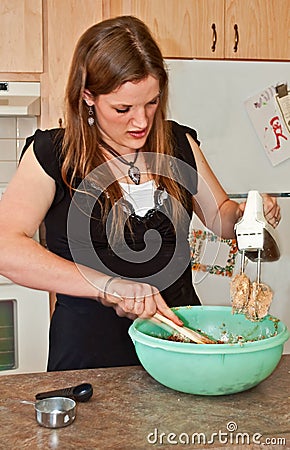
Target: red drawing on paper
(278, 131)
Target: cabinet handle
(236, 37)
(214, 37)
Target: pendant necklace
(133, 171)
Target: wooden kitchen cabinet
(263, 29)
(64, 22)
(182, 28)
(21, 36)
(243, 29)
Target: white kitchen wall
(13, 132)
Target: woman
(116, 190)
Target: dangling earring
(91, 120)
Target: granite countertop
(130, 410)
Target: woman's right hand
(133, 299)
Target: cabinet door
(182, 28)
(65, 21)
(263, 28)
(21, 36)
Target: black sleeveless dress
(84, 333)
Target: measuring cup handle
(65, 392)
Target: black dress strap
(186, 173)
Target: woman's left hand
(271, 209)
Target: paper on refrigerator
(269, 124)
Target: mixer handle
(254, 207)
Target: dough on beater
(240, 291)
(259, 302)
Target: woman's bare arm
(213, 206)
(23, 260)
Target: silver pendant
(134, 174)
(91, 121)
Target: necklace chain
(133, 171)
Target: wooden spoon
(185, 332)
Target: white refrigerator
(213, 97)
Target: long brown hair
(107, 55)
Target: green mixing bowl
(250, 354)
